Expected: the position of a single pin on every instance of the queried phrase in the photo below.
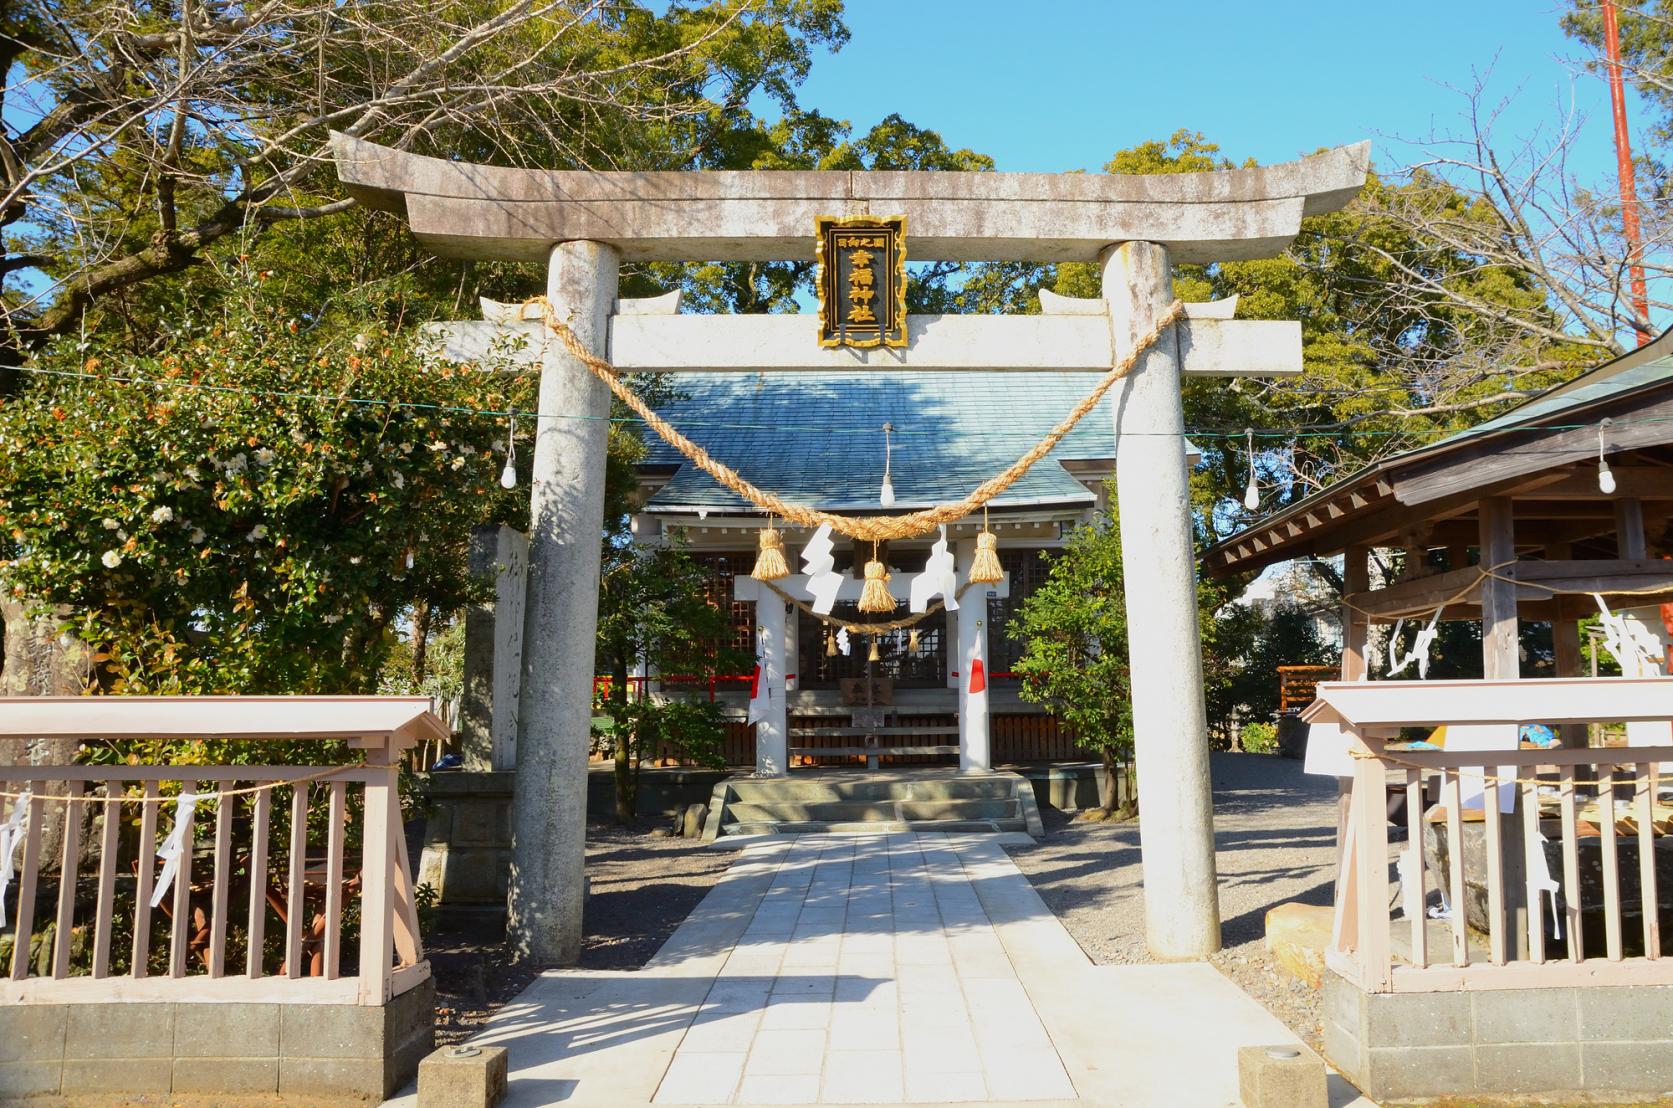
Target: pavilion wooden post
(566, 517)
(1501, 659)
(1176, 807)
(1565, 645)
(1356, 636)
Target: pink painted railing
(257, 901)
(1582, 894)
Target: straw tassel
(769, 563)
(984, 568)
(912, 640)
(874, 656)
(830, 645)
(875, 596)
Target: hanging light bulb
(508, 475)
(886, 495)
(1605, 479)
(1252, 492)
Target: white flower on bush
(354, 560)
(264, 457)
(439, 447)
(197, 535)
(458, 461)
(193, 473)
(334, 617)
(237, 464)
(163, 514)
(257, 533)
(399, 480)
(406, 448)
(374, 611)
(110, 524)
(111, 559)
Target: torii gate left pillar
(566, 516)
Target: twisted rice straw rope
(865, 528)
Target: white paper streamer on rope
(1419, 652)
(1630, 644)
(939, 578)
(842, 641)
(177, 843)
(819, 563)
(11, 837)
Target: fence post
(1371, 848)
(377, 919)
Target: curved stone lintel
(464, 210)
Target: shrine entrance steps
(817, 801)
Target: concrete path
(878, 969)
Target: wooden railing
(276, 884)
(1549, 878)
(1298, 685)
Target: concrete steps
(815, 802)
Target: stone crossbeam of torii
(584, 224)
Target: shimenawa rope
(866, 528)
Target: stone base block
(1281, 1077)
(463, 1077)
(1584, 1043)
(467, 850)
(318, 1051)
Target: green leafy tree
(225, 515)
(654, 612)
(1075, 657)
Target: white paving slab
(878, 969)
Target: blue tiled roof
(1586, 389)
(817, 438)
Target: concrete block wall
(317, 1051)
(1615, 1041)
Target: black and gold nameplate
(862, 280)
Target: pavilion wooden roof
(1540, 456)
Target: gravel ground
(1275, 841)
(642, 887)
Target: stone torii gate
(584, 224)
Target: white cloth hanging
(11, 837)
(1419, 652)
(842, 641)
(178, 842)
(1629, 643)
(819, 563)
(939, 578)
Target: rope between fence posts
(1483, 573)
(90, 798)
(865, 528)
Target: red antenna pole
(1623, 168)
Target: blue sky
(1052, 86)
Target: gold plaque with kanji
(862, 280)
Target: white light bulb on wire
(1605, 479)
(1251, 492)
(886, 495)
(508, 475)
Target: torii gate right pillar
(1176, 806)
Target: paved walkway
(878, 969)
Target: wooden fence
(1297, 685)
(1573, 834)
(264, 909)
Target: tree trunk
(36, 660)
(1114, 774)
(420, 643)
(627, 785)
